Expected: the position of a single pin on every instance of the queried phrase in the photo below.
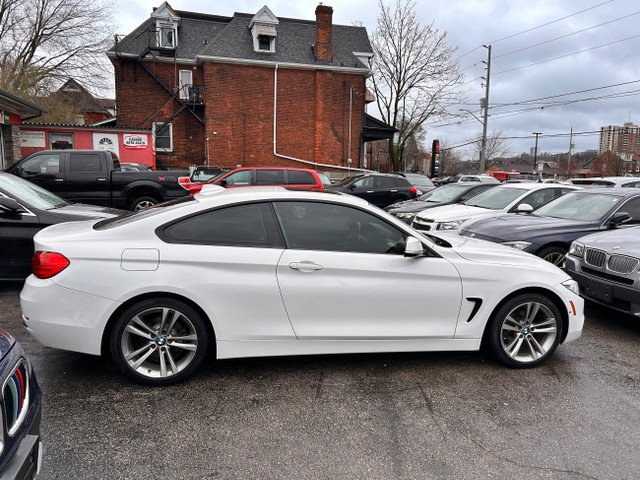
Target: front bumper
(604, 291)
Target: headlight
(576, 249)
(406, 215)
(450, 225)
(418, 192)
(519, 245)
(572, 285)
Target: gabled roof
(20, 106)
(210, 37)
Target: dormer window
(263, 30)
(167, 37)
(166, 24)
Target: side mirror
(222, 183)
(618, 219)
(352, 187)
(413, 248)
(524, 208)
(10, 205)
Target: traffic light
(435, 161)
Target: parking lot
(453, 415)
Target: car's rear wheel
(525, 331)
(553, 255)
(159, 341)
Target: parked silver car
(605, 265)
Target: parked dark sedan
(20, 445)
(25, 209)
(549, 230)
(445, 195)
(380, 189)
(605, 265)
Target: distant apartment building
(624, 140)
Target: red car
(266, 176)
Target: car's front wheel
(525, 331)
(553, 255)
(159, 341)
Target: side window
(250, 225)
(337, 228)
(269, 177)
(298, 177)
(384, 182)
(365, 182)
(45, 163)
(632, 207)
(85, 163)
(237, 179)
(537, 198)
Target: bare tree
(450, 162)
(496, 147)
(44, 42)
(613, 164)
(414, 73)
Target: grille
(595, 258)
(15, 396)
(622, 264)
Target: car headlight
(576, 249)
(419, 192)
(452, 225)
(406, 215)
(518, 245)
(572, 285)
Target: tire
(148, 357)
(553, 255)
(141, 203)
(525, 331)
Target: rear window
(270, 177)
(299, 177)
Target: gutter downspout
(275, 130)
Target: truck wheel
(141, 203)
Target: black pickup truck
(95, 177)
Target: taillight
(48, 264)
(414, 190)
(195, 188)
(184, 182)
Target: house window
(167, 37)
(163, 136)
(264, 43)
(186, 82)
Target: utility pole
(485, 104)
(535, 155)
(569, 158)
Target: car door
(16, 243)
(343, 276)
(44, 169)
(87, 178)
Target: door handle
(305, 266)
(59, 180)
(394, 191)
(369, 191)
(101, 179)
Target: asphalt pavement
(391, 416)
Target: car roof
(622, 192)
(252, 193)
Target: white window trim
(170, 149)
(162, 27)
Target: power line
(568, 54)
(563, 36)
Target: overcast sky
(609, 45)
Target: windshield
(495, 198)
(29, 193)
(324, 179)
(446, 193)
(347, 180)
(579, 206)
(419, 181)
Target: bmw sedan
(248, 273)
(26, 208)
(549, 231)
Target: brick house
(13, 111)
(251, 89)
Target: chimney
(323, 46)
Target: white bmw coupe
(272, 271)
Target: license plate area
(598, 290)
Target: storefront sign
(135, 141)
(4, 117)
(30, 138)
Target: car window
(331, 227)
(495, 198)
(26, 192)
(420, 181)
(385, 182)
(85, 163)
(632, 207)
(249, 225)
(635, 184)
(269, 177)
(300, 177)
(364, 182)
(579, 206)
(475, 191)
(325, 180)
(240, 178)
(539, 197)
(45, 163)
